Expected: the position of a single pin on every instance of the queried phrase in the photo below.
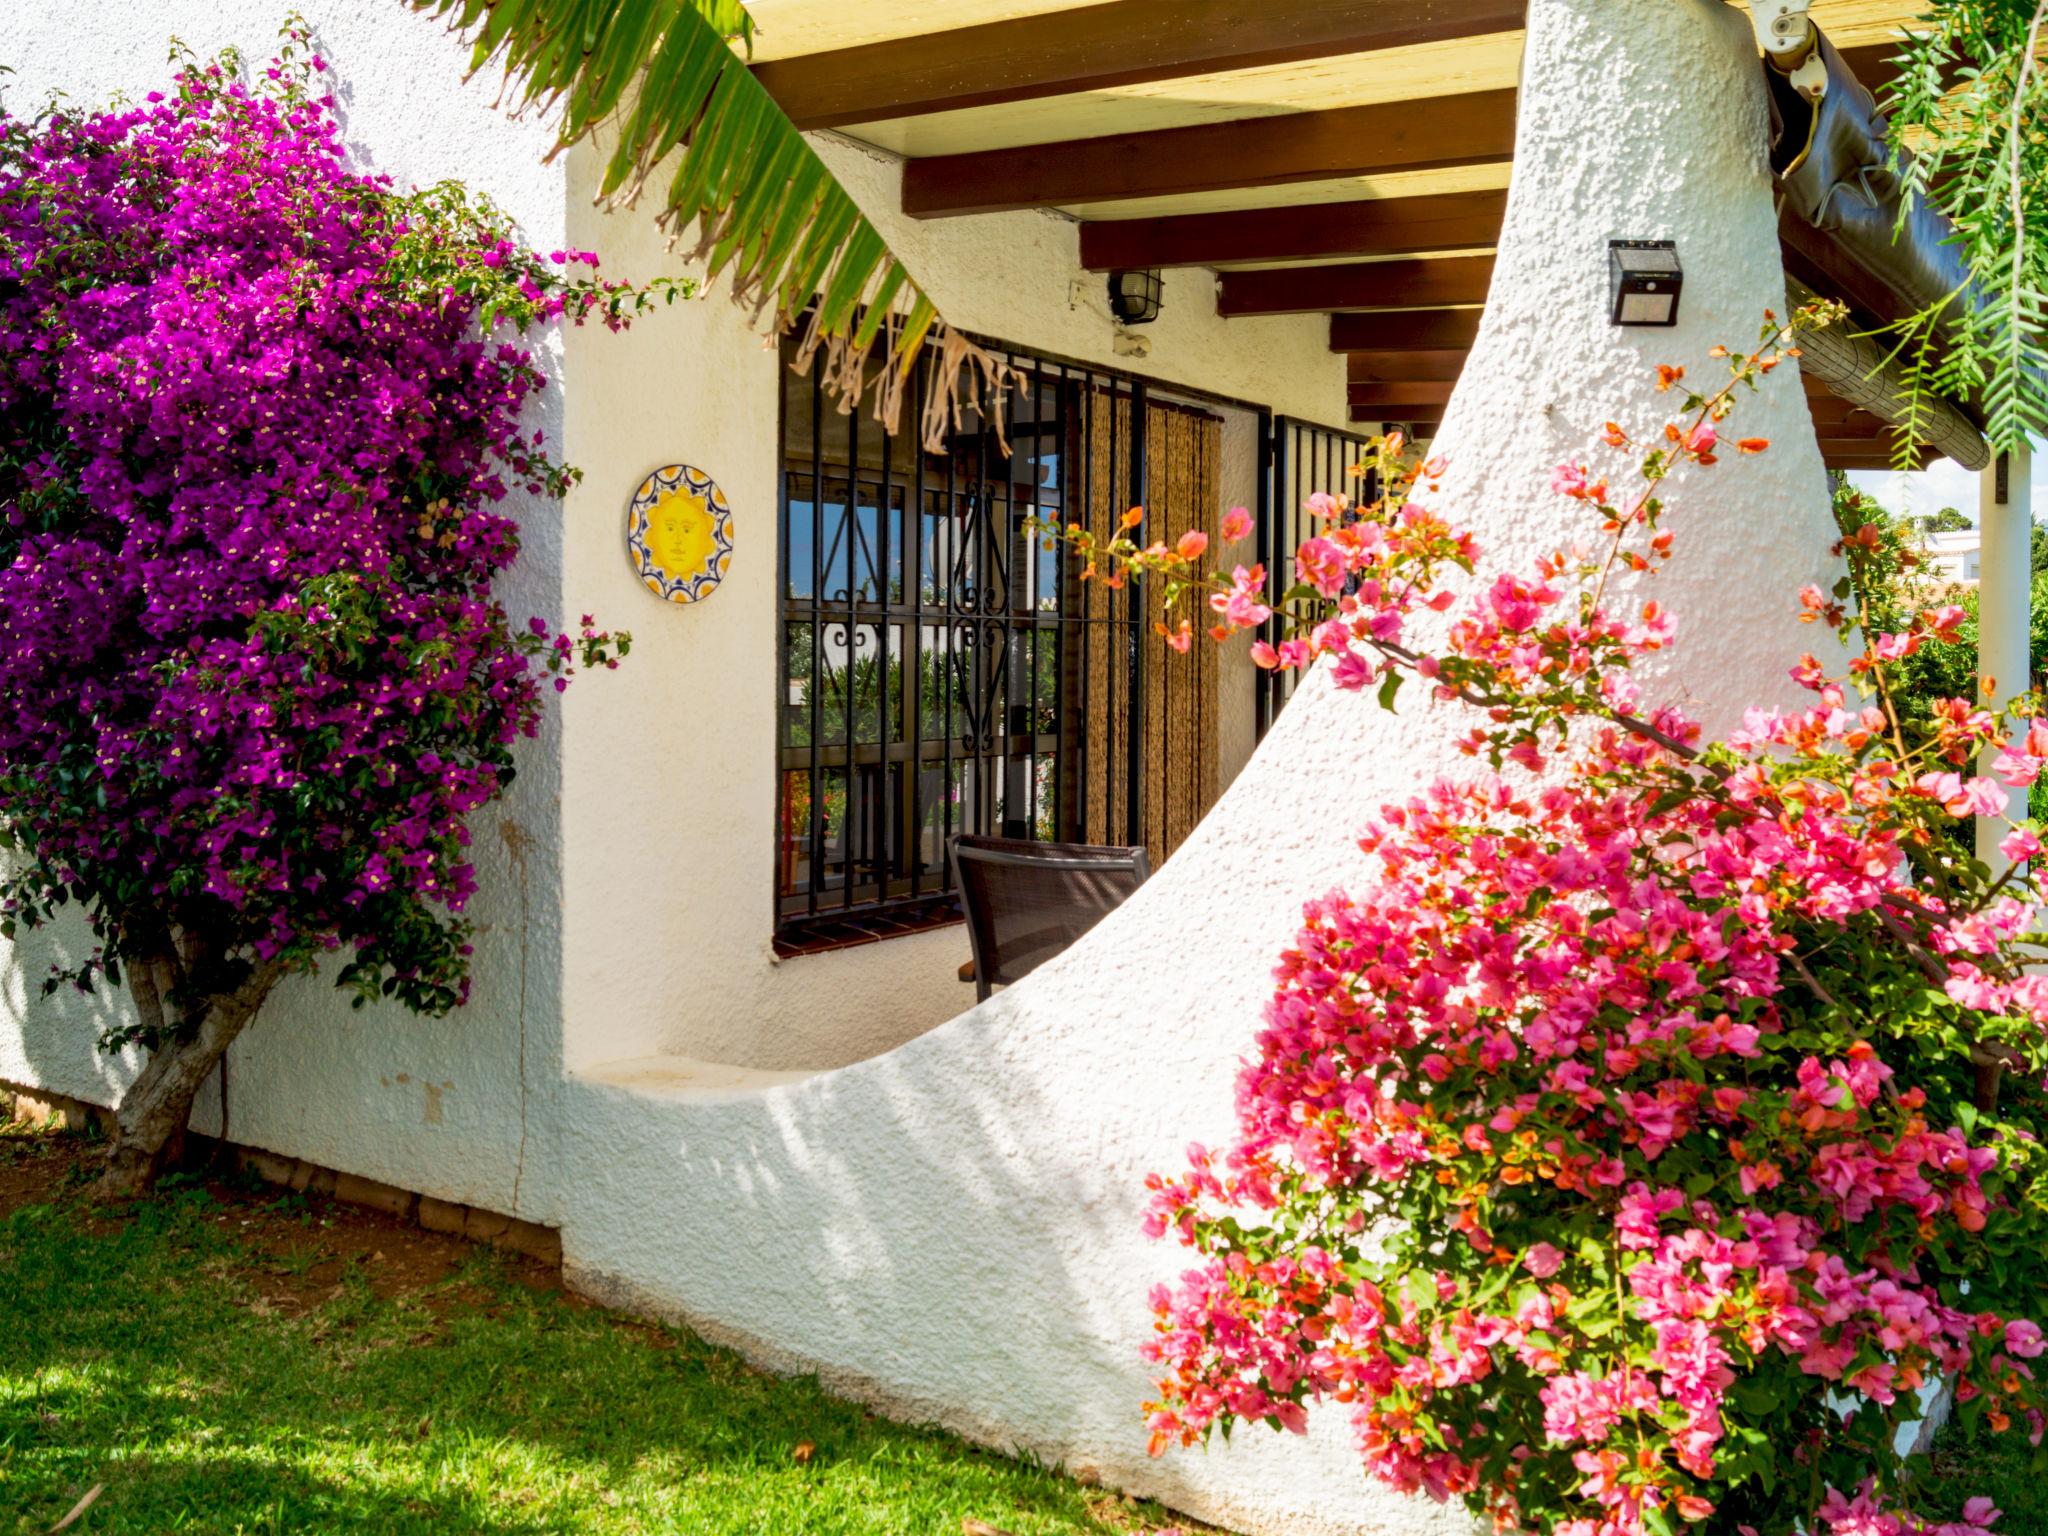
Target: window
(944, 673)
(1300, 459)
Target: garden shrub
(1653, 1120)
(260, 415)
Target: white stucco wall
(953, 1228)
(1547, 370)
(670, 789)
(460, 1107)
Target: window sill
(826, 933)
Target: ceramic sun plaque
(679, 533)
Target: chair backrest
(1027, 901)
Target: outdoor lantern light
(1134, 296)
(1643, 282)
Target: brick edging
(40, 1107)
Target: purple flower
(253, 444)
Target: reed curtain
(1177, 708)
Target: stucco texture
(953, 1228)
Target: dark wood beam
(1872, 64)
(1388, 226)
(1433, 330)
(1386, 137)
(1095, 47)
(1356, 285)
(1826, 408)
(1404, 367)
(1398, 397)
(1868, 429)
(1421, 418)
(1880, 464)
(1855, 447)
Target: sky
(1945, 483)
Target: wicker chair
(1027, 901)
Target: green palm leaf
(668, 73)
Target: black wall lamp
(1644, 280)
(1134, 295)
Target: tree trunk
(158, 1104)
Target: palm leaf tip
(767, 210)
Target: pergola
(1348, 157)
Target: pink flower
(1192, 545)
(1237, 523)
(1320, 563)
(2023, 1339)
(1963, 797)
(1543, 1261)
(1571, 480)
(1973, 989)
(1241, 605)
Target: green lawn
(227, 1360)
(2001, 1467)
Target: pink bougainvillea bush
(259, 415)
(1652, 1121)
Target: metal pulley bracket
(1782, 27)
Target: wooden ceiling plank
(1393, 226)
(1423, 330)
(1356, 285)
(1100, 47)
(1386, 138)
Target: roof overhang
(1348, 157)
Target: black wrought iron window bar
(942, 671)
(1298, 459)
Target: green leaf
(766, 211)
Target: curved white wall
(1654, 130)
(953, 1228)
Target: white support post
(2005, 526)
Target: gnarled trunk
(156, 1107)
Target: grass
(1998, 1466)
(229, 1361)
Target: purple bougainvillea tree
(258, 417)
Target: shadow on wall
(952, 1231)
(53, 1041)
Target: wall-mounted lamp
(1643, 282)
(1134, 296)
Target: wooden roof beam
(1422, 420)
(1400, 397)
(1356, 285)
(1097, 47)
(1390, 226)
(1384, 138)
(1423, 330)
(1398, 367)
